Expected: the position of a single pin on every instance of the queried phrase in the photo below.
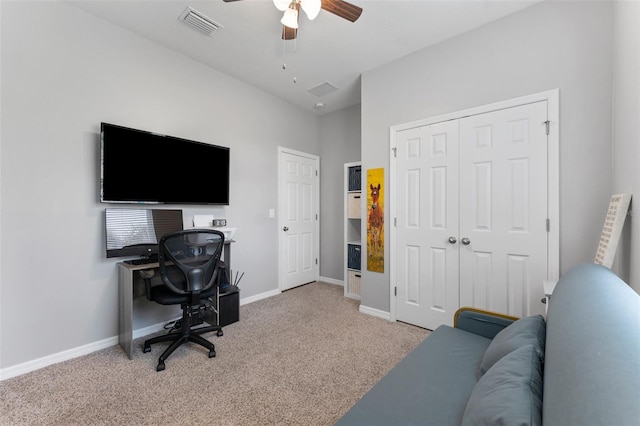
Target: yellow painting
(375, 220)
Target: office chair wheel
(146, 348)
(220, 333)
(212, 353)
(160, 366)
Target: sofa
(578, 366)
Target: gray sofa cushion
(510, 393)
(430, 386)
(525, 331)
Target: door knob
(465, 241)
(452, 240)
(285, 229)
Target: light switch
(272, 213)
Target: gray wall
(62, 74)
(565, 45)
(626, 132)
(339, 144)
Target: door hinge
(395, 221)
(316, 261)
(548, 225)
(547, 123)
(395, 291)
(317, 171)
(316, 216)
(395, 151)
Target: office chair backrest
(196, 254)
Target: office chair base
(186, 334)
(174, 345)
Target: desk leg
(226, 254)
(227, 261)
(125, 294)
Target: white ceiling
(328, 49)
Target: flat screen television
(138, 166)
(136, 232)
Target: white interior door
(298, 218)
(471, 211)
(427, 224)
(503, 194)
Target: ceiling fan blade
(289, 33)
(345, 10)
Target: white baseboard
(265, 295)
(36, 364)
(375, 312)
(331, 281)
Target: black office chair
(189, 264)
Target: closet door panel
(503, 186)
(427, 200)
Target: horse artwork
(375, 220)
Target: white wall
(63, 72)
(339, 144)
(565, 45)
(626, 132)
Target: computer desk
(126, 293)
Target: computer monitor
(135, 232)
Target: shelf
(353, 199)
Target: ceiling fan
(291, 9)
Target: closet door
(472, 209)
(427, 224)
(503, 205)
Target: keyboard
(142, 261)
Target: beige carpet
(303, 357)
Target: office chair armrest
(146, 275)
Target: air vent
(200, 22)
(323, 89)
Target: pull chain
(284, 56)
(295, 58)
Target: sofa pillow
(525, 331)
(510, 393)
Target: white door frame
(553, 177)
(283, 150)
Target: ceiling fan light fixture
(311, 7)
(290, 17)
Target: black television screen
(144, 167)
(135, 232)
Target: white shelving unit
(352, 229)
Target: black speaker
(229, 306)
